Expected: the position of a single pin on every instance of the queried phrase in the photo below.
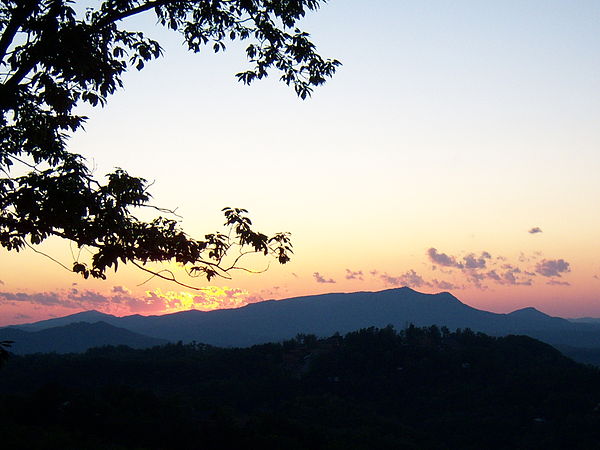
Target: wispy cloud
(443, 259)
(271, 292)
(121, 301)
(70, 299)
(493, 275)
(21, 316)
(475, 277)
(476, 262)
(321, 279)
(510, 275)
(120, 290)
(481, 269)
(209, 299)
(445, 285)
(552, 267)
(535, 230)
(354, 275)
(558, 283)
(470, 261)
(410, 278)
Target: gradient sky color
(457, 149)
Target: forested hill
(375, 388)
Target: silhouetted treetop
(54, 58)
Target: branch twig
(47, 256)
(159, 275)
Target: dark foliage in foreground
(371, 389)
(56, 55)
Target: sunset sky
(457, 149)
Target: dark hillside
(371, 389)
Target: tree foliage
(54, 58)
(4, 346)
(418, 388)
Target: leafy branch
(53, 60)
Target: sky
(456, 149)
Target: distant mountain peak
(529, 311)
(401, 289)
(75, 337)
(90, 313)
(82, 316)
(407, 290)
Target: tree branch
(159, 275)
(107, 20)
(19, 15)
(47, 256)
(18, 76)
(245, 269)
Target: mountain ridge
(325, 314)
(83, 316)
(75, 337)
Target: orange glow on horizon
(206, 299)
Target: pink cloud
(443, 259)
(321, 279)
(552, 267)
(510, 275)
(445, 285)
(476, 262)
(470, 261)
(410, 278)
(354, 275)
(121, 301)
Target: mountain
(74, 338)
(326, 314)
(586, 320)
(84, 316)
(530, 313)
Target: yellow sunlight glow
(208, 299)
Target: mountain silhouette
(586, 320)
(90, 316)
(74, 338)
(323, 315)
